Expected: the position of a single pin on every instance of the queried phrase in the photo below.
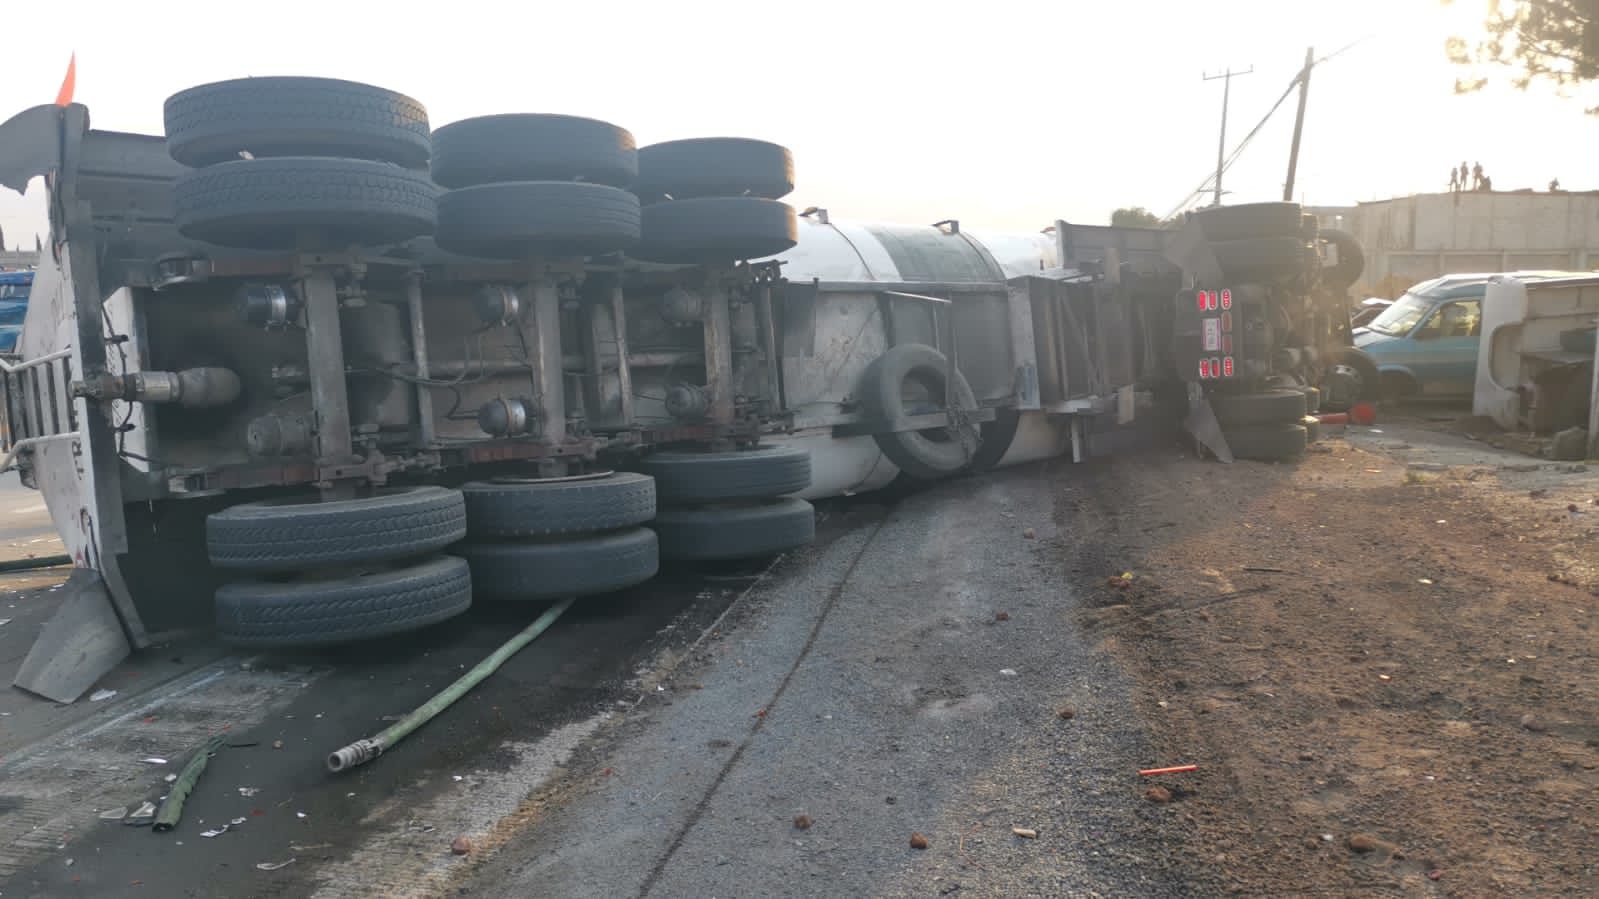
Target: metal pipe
(12, 368)
(419, 357)
(29, 443)
(365, 750)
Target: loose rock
(1365, 842)
(1067, 712)
(802, 822)
(1026, 833)
(1001, 616)
(461, 846)
(1531, 722)
(1030, 534)
(1158, 795)
(918, 841)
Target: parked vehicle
(311, 376)
(1369, 308)
(14, 288)
(1425, 344)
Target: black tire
(715, 167)
(288, 116)
(553, 569)
(1267, 443)
(557, 218)
(1351, 260)
(1312, 426)
(282, 203)
(299, 532)
(1263, 257)
(761, 473)
(716, 229)
(927, 455)
(1272, 407)
(997, 436)
(533, 147)
(549, 508)
(306, 613)
(1367, 386)
(1251, 220)
(716, 533)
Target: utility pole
(1299, 123)
(1221, 145)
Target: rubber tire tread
(715, 167)
(1263, 257)
(294, 116)
(552, 508)
(1250, 220)
(319, 613)
(717, 533)
(271, 535)
(760, 473)
(533, 147)
(879, 393)
(997, 436)
(716, 229)
(263, 204)
(517, 571)
(1272, 407)
(563, 218)
(1267, 443)
(1351, 260)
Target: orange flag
(69, 83)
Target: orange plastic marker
(1178, 769)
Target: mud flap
(1201, 422)
(82, 641)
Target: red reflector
(1227, 344)
(1226, 299)
(1215, 367)
(1203, 299)
(1204, 368)
(1226, 321)
(1227, 366)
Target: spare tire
(289, 116)
(552, 569)
(320, 612)
(556, 218)
(715, 167)
(533, 147)
(911, 379)
(541, 508)
(1224, 223)
(276, 204)
(1351, 260)
(716, 229)
(687, 477)
(1271, 407)
(297, 532)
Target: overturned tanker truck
(304, 371)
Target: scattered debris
(153, 760)
(1425, 581)
(237, 821)
(296, 847)
(1538, 493)
(918, 841)
(802, 822)
(171, 809)
(214, 832)
(1001, 616)
(114, 814)
(1435, 874)
(1175, 769)
(1008, 672)
(141, 816)
(277, 744)
(461, 846)
(1030, 534)
(1066, 712)
(170, 778)
(249, 791)
(1121, 581)
(1532, 723)
(1158, 795)
(299, 814)
(1365, 842)
(1026, 833)
(273, 866)
(96, 696)
(1262, 570)
(1427, 466)
(1307, 756)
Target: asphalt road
(25, 527)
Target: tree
(1134, 217)
(1556, 41)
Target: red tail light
(1204, 368)
(1227, 367)
(1202, 298)
(1226, 299)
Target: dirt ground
(1382, 659)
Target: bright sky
(1004, 114)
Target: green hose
(171, 809)
(365, 750)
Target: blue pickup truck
(14, 287)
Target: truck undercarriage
(280, 360)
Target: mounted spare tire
(297, 532)
(716, 229)
(908, 380)
(533, 147)
(282, 203)
(555, 218)
(715, 167)
(324, 611)
(1224, 223)
(288, 116)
